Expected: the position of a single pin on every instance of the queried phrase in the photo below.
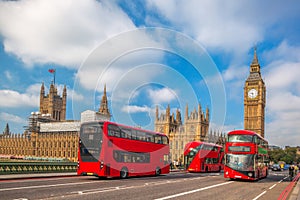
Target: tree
(288, 155)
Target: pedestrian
(291, 171)
(295, 170)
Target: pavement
(35, 175)
(295, 194)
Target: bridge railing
(286, 192)
(36, 167)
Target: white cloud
(235, 72)
(231, 27)
(11, 118)
(281, 101)
(71, 94)
(234, 77)
(118, 58)
(283, 76)
(61, 32)
(135, 109)
(164, 95)
(283, 96)
(284, 52)
(13, 99)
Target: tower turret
(103, 109)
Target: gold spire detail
(103, 109)
(255, 60)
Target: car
(276, 167)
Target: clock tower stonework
(254, 99)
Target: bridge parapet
(36, 167)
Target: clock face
(252, 93)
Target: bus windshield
(240, 162)
(91, 142)
(240, 138)
(192, 153)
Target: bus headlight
(250, 174)
(101, 164)
(226, 173)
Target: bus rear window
(240, 138)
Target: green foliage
(288, 155)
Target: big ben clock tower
(255, 99)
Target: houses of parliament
(50, 136)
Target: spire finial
(255, 60)
(104, 104)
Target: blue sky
(152, 53)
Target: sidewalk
(35, 175)
(295, 195)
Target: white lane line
(193, 191)
(92, 190)
(44, 186)
(270, 188)
(260, 195)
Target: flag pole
(54, 76)
(52, 71)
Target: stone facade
(52, 104)
(194, 128)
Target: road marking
(260, 195)
(21, 199)
(193, 191)
(270, 188)
(44, 186)
(92, 190)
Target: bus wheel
(157, 171)
(124, 172)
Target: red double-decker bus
(107, 149)
(203, 157)
(246, 155)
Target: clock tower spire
(254, 99)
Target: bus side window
(140, 135)
(114, 131)
(150, 137)
(110, 132)
(117, 133)
(133, 135)
(117, 156)
(164, 140)
(158, 139)
(255, 139)
(127, 133)
(123, 134)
